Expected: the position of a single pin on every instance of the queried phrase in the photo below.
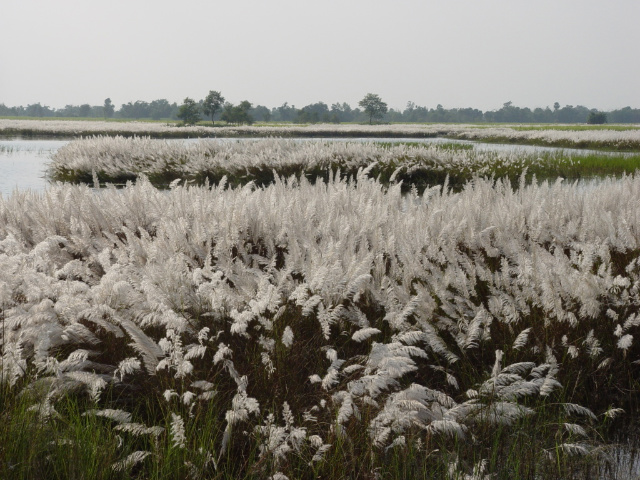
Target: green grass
(569, 128)
(74, 445)
(559, 143)
(71, 445)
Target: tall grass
(626, 139)
(575, 127)
(340, 329)
(117, 160)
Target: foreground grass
(335, 330)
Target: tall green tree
(597, 118)
(238, 114)
(212, 103)
(161, 108)
(85, 110)
(189, 112)
(373, 106)
(108, 108)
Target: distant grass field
(569, 128)
(91, 119)
(611, 138)
(416, 165)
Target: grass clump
(118, 160)
(336, 329)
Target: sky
(457, 53)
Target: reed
(626, 138)
(335, 329)
(118, 160)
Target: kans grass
(620, 138)
(336, 329)
(119, 159)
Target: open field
(608, 138)
(118, 160)
(334, 330)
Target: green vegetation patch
(577, 128)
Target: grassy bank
(118, 160)
(576, 127)
(335, 330)
(607, 145)
(623, 139)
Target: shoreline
(597, 139)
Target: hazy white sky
(459, 53)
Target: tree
(237, 114)
(212, 103)
(160, 108)
(373, 106)
(261, 112)
(35, 110)
(189, 112)
(285, 112)
(85, 110)
(597, 118)
(314, 113)
(139, 109)
(108, 108)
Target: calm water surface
(23, 164)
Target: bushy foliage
(373, 106)
(237, 114)
(189, 112)
(212, 103)
(597, 118)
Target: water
(23, 162)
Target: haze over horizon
(457, 53)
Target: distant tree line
(215, 108)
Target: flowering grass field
(119, 159)
(621, 138)
(340, 329)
